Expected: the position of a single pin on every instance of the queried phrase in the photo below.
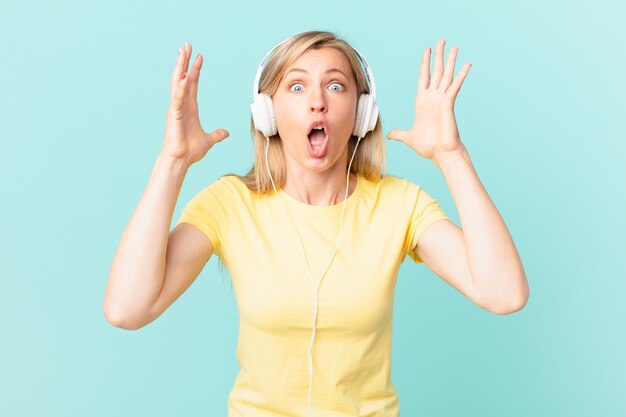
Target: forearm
(493, 259)
(138, 267)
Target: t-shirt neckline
(332, 210)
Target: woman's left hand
(434, 129)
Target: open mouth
(316, 137)
(318, 142)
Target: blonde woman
(314, 234)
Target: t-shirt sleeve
(206, 211)
(426, 211)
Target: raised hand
(434, 128)
(184, 137)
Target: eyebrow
(327, 71)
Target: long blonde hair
(369, 160)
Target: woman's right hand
(184, 137)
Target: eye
(341, 87)
(295, 84)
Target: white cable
(316, 287)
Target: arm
(480, 259)
(151, 267)
(138, 268)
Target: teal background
(85, 89)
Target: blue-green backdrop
(85, 89)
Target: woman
(299, 266)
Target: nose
(317, 101)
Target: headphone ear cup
(270, 115)
(366, 115)
(360, 110)
(263, 115)
(373, 117)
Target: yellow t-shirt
(276, 298)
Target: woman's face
(318, 88)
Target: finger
(187, 48)
(178, 71)
(397, 134)
(447, 75)
(424, 77)
(180, 92)
(217, 135)
(194, 76)
(438, 67)
(458, 81)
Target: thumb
(397, 134)
(218, 135)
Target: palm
(187, 135)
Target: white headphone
(264, 121)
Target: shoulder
(221, 191)
(390, 185)
(232, 192)
(225, 186)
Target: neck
(319, 188)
